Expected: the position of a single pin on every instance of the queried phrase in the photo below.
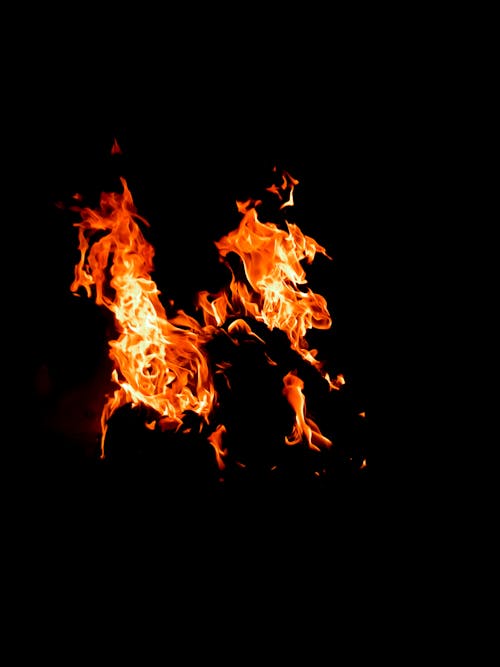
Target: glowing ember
(161, 362)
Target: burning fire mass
(224, 388)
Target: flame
(161, 362)
(273, 291)
(304, 425)
(158, 362)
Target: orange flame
(274, 290)
(158, 362)
(304, 425)
(161, 362)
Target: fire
(304, 425)
(160, 361)
(273, 290)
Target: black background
(197, 132)
(369, 110)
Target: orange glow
(215, 439)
